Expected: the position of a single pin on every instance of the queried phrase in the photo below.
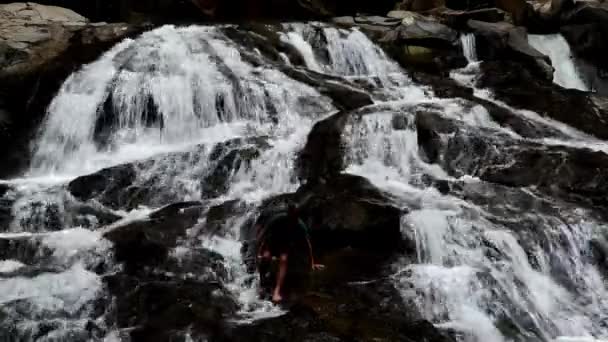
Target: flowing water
(557, 48)
(502, 264)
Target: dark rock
(346, 312)
(505, 79)
(571, 173)
(346, 211)
(503, 41)
(448, 88)
(230, 157)
(344, 95)
(400, 122)
(586, 30)
(322, 157)
(106, 184)
(423, 42)
(419, 5)
(459, 19)
(161, 308)
(147, 242)
(219, 215)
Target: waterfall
(469, 47)
(557, 48)
(496, 264)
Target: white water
(469, 47)
(471, 274)
(557, 48)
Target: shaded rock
(507, 80)
(400, 122)
(107, 185)
(147, 242)
(448, 88)
(423, 42)
(571, 173)
(346, 211)
(419, 5)
(159, 309)
(219, 215)
(459, 19)
(322, 157)
(344, 95)
(503, 41)
(586, 30)
(358, 312)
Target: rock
(400, 122)
(321, 157)
(39, 47)
(574, 174)
(419, 5)
(230, 157)
(586, 30)
(345, 211)
(357, 312)
(147, 242)
(107, 185)
(459, 19)
(423, 42)
(220, 215)
(448, 88)
(547, 99)
(503, 41)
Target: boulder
(503, 41)
(366, 311)
(423, 42)
(321, 157)
(419, 5)
(586, 30)
(39, 47)
(575, 174)
(514, 84)
(346, 211)
(147, 242)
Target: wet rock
(220, 215)
(356, 311)
(545, 98)
(159, 309)
(107, 185)
(459, 19)
(344, 95)
(586, 30)
(419, 5)
(575, 174)
(345, 211)
(322, 157)
(147, 242)
(503, 41)
(400, 122)
(448, 88)
(41, 46)
(229, 158)
(422, 41)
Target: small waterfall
(557, 48)
(469, 47)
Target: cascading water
(557, 48)
(500, 264)
(469, 47)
